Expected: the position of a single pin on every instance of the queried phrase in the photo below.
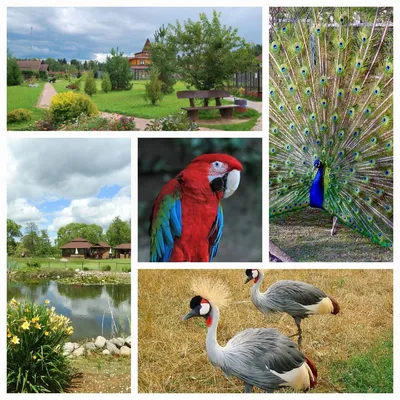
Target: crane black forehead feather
(195, 301)
(249, 273)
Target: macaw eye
(217, 165)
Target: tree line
(34, 242)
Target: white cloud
(100, 57)
(22, 212)
(93, 211)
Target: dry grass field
(172, 354)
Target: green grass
(305, 236)
(24, 97)
(116, 264)
(369, 372)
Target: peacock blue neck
(317, 189)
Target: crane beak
(190, 314)
(248, 280)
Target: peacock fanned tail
(331, 99)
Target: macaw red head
(221, 170)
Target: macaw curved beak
(232, 183)
(248, 280)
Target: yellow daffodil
(53, 309)
(38, 326)
(46, 302)
(25, 325)
(27, 310)
(35, 319)
(9, 334)
(46, 333)
(15, 340)
(34, 357)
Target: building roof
(29, 64)
(123, 246)
(44, 67)
(102, 245)
(77, 243)
(147, 45)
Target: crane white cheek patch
(254, 272)
(204, 308)
(232, 183)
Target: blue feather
(317, 190)
(218, 228)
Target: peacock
(331, 115)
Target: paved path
(47, 94)
(256, 105)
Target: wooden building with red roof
(140, 62)
(82, 248)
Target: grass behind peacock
(331, 108)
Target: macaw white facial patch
(232, 183)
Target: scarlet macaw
(186, 222)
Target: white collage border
(134, 198)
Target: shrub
(106, 83)
(126, 269)
(90, 84)
(18, 115)
(85, 269)
(35, 339)
(42, 125)
(43, 75)
(175, 122)
(153, 92)
(69, 105)
(33, 264)
(119, 70)
(75, 84)
(30, 74)
(14, 74)
(106, 267)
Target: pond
(93, 309)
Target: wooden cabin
(81, 248)
(140, 62)
(123, 250)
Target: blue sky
(53, 182)
(89, 33)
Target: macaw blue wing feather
(166, 225)
(216, 233)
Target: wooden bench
(226, 111)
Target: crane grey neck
(214, 350)
(256, 295)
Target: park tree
(153, 88)
(31, 239)
(209, 53)
(118, 232)
(91, 232)
(163, 59)
(90, 84)
(44, 247)
(119, 70)
(13, 231)
(14, 74)
(106, 83)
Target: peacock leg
(248, 388)
(334, 226)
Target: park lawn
(26, 97)
(115, 264)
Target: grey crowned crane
(260, 357)
(298, 299)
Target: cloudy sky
(90, 33)
(53, 182)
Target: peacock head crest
(318, 164)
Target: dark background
(162, 159)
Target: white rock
(80, 351)
(119, 342)
(100, 342)
(128, 341)
(112, 348)
(125, 351)
(90, 346)
(68, 348)
(106, 352)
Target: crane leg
(248, 388)
(334, 226)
